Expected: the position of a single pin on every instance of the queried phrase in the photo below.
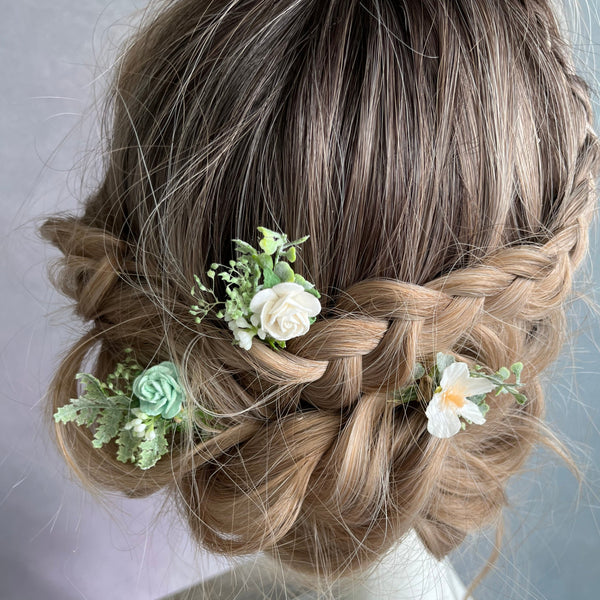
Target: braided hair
(441, 157)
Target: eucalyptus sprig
(454, 392)
(433, 376)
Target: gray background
(56, 540)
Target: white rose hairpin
(458, 392)
(266, 298)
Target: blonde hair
(441, 157)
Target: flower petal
(309, 303)
(244, 338)
(478, 385)
(287, 288)
(443, 424)
(471, 411)
(455, 375)
(259, 299)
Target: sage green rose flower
(159, 390)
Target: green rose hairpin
(137, 407)
(458, 392)
(265, 297)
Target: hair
(441, 157)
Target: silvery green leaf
(269, 245)
(442, 361)
(127, 444)
(284, 271)
(291, 254)
(520, 398)
(265, 261)
(503, 373)
(152, 450)
(300, 240)
(418, 371)
(109, 423)
(244, 247)
(270, 279)
(478, 398)
(65, 413)
(516, 368)
(94, 388)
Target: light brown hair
(441, 157)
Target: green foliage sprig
(250, 273)
(112, 411)
(423, 379)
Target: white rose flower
(451, 402)
(283, 311)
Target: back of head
(440, 156)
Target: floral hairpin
(137, 406)
(458, 392)
(266, 297)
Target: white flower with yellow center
(450, 400)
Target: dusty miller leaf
(128, 444)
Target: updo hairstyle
(441, 157)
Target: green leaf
(270, 279)
(517, 368)
(405, 395)
(300, 240)
(284, 271)
(211, 273)
(128, 445)
(503, 373)
(478, 398)
(269, 245)
(442, 361)
(152, 450)
(87, 415)
(264, 261)
(269, 233)
(483, 407)
(418, 371)
(109, 423)
(291, 254)
(65, 414)
(520, 398)
(243, 247)
(94, 388)
(309, 287)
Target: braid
(445, 173)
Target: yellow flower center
(453, 399)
